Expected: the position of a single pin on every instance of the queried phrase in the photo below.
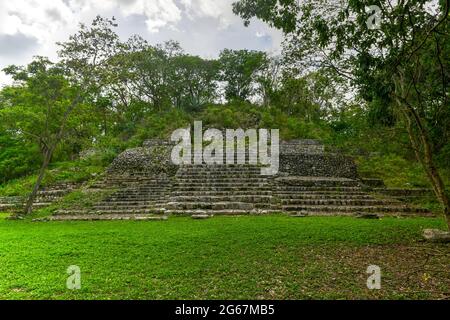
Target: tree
(194, 82)
(151, 73)
(269, 80)
(49, 93)
(239, 70)
(39, 109)
(396, 53)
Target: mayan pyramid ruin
(144, 184)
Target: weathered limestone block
(154, 158)
(301, 146)
(366, 215)
(436, 235)
(201, 216)
(373, 183)
(318, 165)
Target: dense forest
(379, 96)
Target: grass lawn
(269, 257)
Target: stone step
(217, 179)
(134, 199)
(219, 193)
(397, 192)
(140, 191)
(220, 188)
(226, 212)
(139, 194)
(256, 171)
(19, 207)
(223, 180)
(356, 214)
(338, 202)
(224, 198)
(210, 206)
(96, 217)
(286, 189)
(47, 199)
(273, 206)
(204, 173)
(219, 170)
(219, 184)
(56, 192)
(337, 196)
(226, 166)
(132, 181)
(115, 208)
(131, 202)
(137, 180)
(11, 199)
(352, 209)
(138, 187)
(320, 183)
(228, 174)
(111, 211)
(136, 176)
(41, 204)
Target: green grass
(395, 171)
(270, 257)
(71, 171)
(79, 199)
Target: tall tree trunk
(48, 155)
(421, 144)
(31, 198)
(426, 159)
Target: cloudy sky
(203, 27)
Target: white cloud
(203, 27)
(159, 13)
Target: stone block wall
(318, 165)
(297, 158)
(301, 146)
(152, 159)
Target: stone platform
(310, 182)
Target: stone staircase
(324, 196)
(148, 195)
(45, 197)
(221, 189)
(143, 184)
(139, 197)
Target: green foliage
(71, 171)
(76, 200)
(16, 158)
(194, 82)
(381, 152)
(160, 125)
(239, 69)
(35, 110)
(396, 171)
(246, 115)
(18, 187)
